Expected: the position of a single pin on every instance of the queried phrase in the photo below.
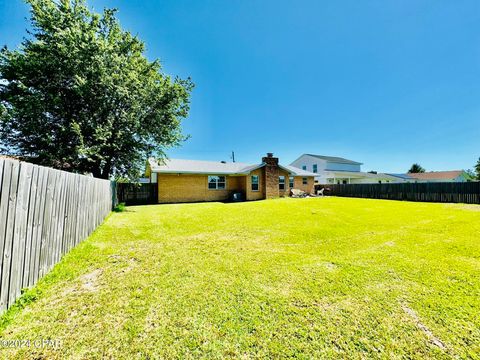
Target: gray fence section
(468, 192)
(43, 214)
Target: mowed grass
(286, 278)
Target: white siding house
(337, 170)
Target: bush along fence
(468, 192)
(44, 213)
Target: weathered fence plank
(20, 231)
(9, 231)
(44, 213)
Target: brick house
(193, 180)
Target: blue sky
(387, 83)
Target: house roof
(2, 156)
(182, 166)
(437, 175)
(298, 172)
(335, 159)
(359, 174)
(402, 176)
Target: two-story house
(337, 170)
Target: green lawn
(297, 278)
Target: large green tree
(415, 169)
(79, 94)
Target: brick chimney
(271, 176)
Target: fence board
(9, 231)
(4, 195)
(30, 228)
(20, 231)
(44, 213)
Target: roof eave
(173, 172)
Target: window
(304, 167)
(216, 182)
(281, 182)
(290, 181)
(255, 182)
(304, 181)
(315, 168)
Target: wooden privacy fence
(468, 192)
(43, 214)
(137, 194)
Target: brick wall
(255, 195)
(286, 191)
(271, 176)
(308, 188)
(193, 188)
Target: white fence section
(44, 213)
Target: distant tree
(79, 94)
(415, 169)
(477, 169)
(471, 174)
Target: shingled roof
(437, 175)
(183, 166)
(335, 159)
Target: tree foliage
(477, 169)
(80, 95)
(415, 169)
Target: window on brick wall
(291, 181)
(304, 181)
(255, 182)
(216, 182)
(281, 182)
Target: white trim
(216, 183)
(279, 183)
(258, 182)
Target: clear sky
(387, 83)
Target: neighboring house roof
(299, 172)
(358, 174)
(437, 175)
(182, 166)
(335, 159)
(402, 176)
(8, 157)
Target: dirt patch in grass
(470, 207)
(87, 283)
(90, 280)
(413, 315)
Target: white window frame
(304, 167)
(315, 168)
(291, 181)
(305, 181)
(257, 183)
(217, 182)
(281, 182)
